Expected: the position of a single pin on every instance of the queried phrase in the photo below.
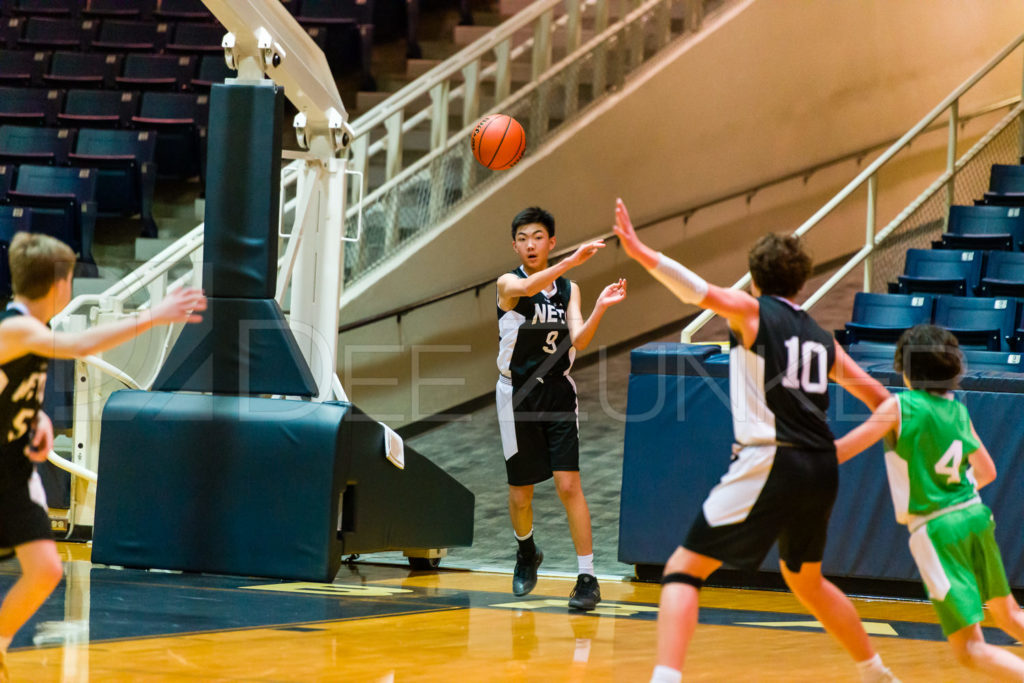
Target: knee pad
(680, 577)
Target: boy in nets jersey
(936, 463)
(41, 272)
(784, 476)
(540, 329)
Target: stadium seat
(982, 322)
(99, 108)
(29, 106)
(52, 8)
(7, 176)
(941, 271)
(157, 72)
(183, 10)
(992, 361)
(178, 119)
(347, 28)
(35, 145)
(130, 36)
(13, 219)
(125, 162)
(62, 201)
(119, 9)
(195, 39)
(883, 318)
(23, 68)
(867, 353)
(1006, 185)
(56, 34)
(212, 69)
(83, 70)
(1004, 275)
(980, 226)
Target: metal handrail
(950, 101)
(805, 172)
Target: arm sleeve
(680, 280)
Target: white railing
(869, 177)
(515, 69)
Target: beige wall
(774, 88)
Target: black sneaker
(586, 594)
(525, 576)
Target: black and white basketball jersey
(534, 338)
(779, 386)
(22, 383)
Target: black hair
(779, 265)
(534, 214)
(930, 358)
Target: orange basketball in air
(498, 142)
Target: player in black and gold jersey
(41, 272)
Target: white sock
(586, 563)
(666, 674)
(873, 670)
(523, 538)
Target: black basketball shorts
(539, 425)
(24, 516)
(769, 493)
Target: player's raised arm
(582, 332)
(26, 334)
(738, 307)
(511, 287)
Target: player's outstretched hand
(581, 255)
(624, 230)
(612, 294)
(41, 443)
(180, 306)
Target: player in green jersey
(936, 463)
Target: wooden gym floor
(384, 623)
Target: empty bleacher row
(344, 29)
(971, 282)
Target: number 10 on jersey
(801, 358)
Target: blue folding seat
(183, 10)
(99, 108)
(977, 227)
(212, 69)
(192, 38)
(13, 219)
(157, 72)
(349, 30)
(976, 360)
(35, 145)
(116, 35)
(83, 70)
(23, 67)
(1005, 185)
(1004, 275)
(181, 134)
(119, 9)
(882, 318)
(125, 160)
(980, 322)
(56, 34)
(50, 8)
(941, 271)
(868, 353)
(7, 176)
(29, 106)
(63, 203)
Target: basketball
(498, 142)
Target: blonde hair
(37, 262)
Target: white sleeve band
(681, 281)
